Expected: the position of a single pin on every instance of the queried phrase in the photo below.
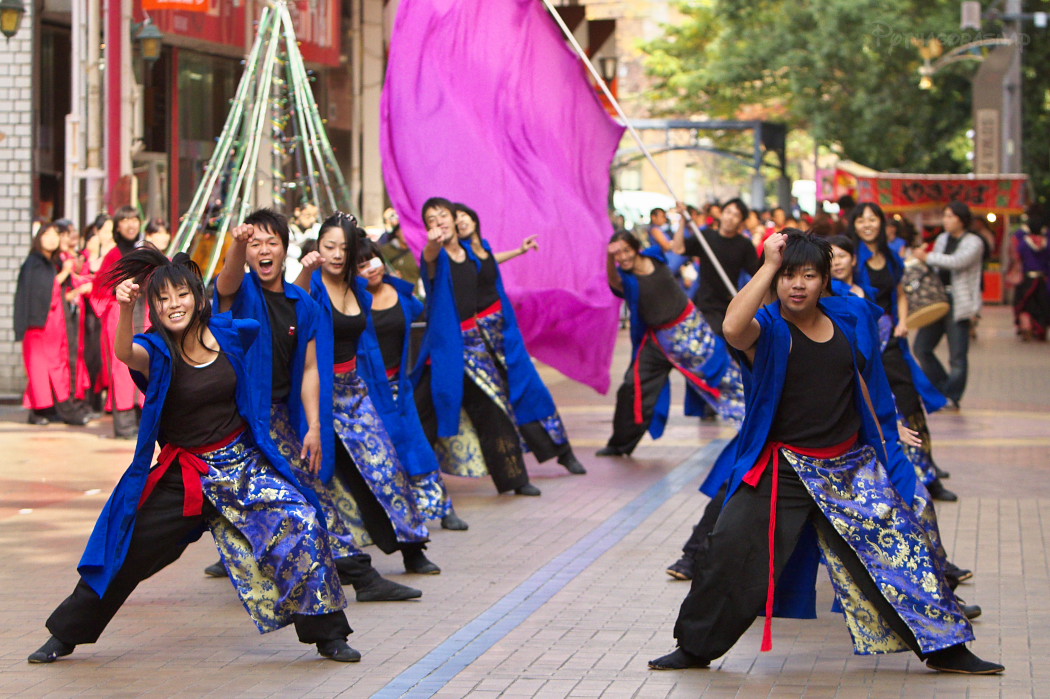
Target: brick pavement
(570, 585)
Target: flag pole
(637, 137)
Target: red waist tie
(346, 367)
(494, 308)
(391, 373)
(695, 378)
(772, 454)
(472, 322)
(193, 467)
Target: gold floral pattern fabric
(360, 430)
(690, 345)
(856, 495)
(461, 455)
(341, 536)
(270, 538)
(491, 327)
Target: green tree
(844, 70)
(1035, 107)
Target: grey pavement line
(434, 670)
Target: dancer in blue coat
(538, 421)
(369, 485)
(667, 333)
(289, 386)
(384, 367)
(463, 399)
(218, 467)
(810, 458)
(879, 270)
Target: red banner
(183, 5)
(316, 23)
(1007, 194)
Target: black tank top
(201, 407)
(347, 331)
(882, 281)
(285, 339)
(390, 327)
(488, 292)
(465, 286)
(660, 300)
(816, 407)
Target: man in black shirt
(734, 252)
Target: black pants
(653, 369)
(695, 549)
(729, 589)
(905, 395)
(377, 522)
(161, 535)
(540, 443)
(496, 433)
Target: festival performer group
(293, 426)
(297, 425)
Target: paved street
(558, 596)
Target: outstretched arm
(310, 262)
(528, 244)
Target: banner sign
(316, 24)
(899, 193)
(184, 5)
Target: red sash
(346, 367)
(193, 467)
(696, 379)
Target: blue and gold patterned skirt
(274, 547)
(360, 430)
(689, 345)
(492, 329)
(856, 496)
(462, 455)
(284, 435)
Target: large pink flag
(487, 105)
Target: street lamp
(607, 67)
(149, 38)
(11, 12)
(933, 61)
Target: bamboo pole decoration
(638, 139)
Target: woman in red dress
(40, 323)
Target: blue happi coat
(763, 386)
(249, 302)
(399, 417)
(108, 544)
(530, 397)
(716, 366)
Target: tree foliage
(845, 70)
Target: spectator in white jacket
(956, 256)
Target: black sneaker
(37, 417)
(527, 489)
(610, 451)
(383, 590)
(939, 492)
(216, 570)
(572, 464)
(454, 522)
(340, 651)
(681, 570)
(417, 562)
(51, 651)
(679, 660)
(960, 660)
